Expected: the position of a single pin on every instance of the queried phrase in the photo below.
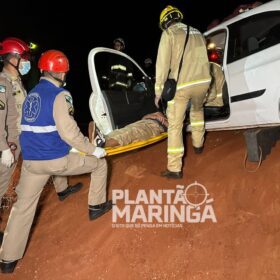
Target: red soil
(243, 244)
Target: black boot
(198, 150)
(70, 190)
(95, 211)
(8, 266)
(171, 174)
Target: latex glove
(99, 152)
(7, 158)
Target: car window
(253, 34)
(127, 92)
(117, 72)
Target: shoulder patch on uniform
(2, 105)
(69, 99)
(2, 88)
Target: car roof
(269, 6)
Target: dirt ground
(243, 244)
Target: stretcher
(133, 146)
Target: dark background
(76, 28)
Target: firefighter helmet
(169, 15)
(15, 46)
(119, 40)
(54, 61)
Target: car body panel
(252, 78)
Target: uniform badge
(69, 101)
(2, 105)
(2, 88)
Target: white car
(251, 64)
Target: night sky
(60, 25)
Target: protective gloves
(99, 152)
(7, 158)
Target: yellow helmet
(168, 15)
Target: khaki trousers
(7, 172)
(138, 131)
(34, 176)
(176, 111)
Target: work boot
(70, 190)
(171, 174)
(95, 211)
(198, 150)
(8, 266)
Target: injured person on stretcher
(149, 126)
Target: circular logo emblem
(195, 194)
(32, 107)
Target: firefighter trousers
(34, 175)
(176, 112)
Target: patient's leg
(110, 142)
(139, 131)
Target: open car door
(121, 94)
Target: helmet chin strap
(62, 82)
(15, 66)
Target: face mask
(24, 67)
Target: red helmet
(215, 55)
(54, 61)
(15, 46)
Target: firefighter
(48, 130)
(119, 44)
(15, 57)
(215, 91)
(121, 70)
(192, 85)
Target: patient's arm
(157, 116)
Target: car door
(253, 65)
(121, 91)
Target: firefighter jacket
(195, 67)
(12, 95)
(121, 73)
